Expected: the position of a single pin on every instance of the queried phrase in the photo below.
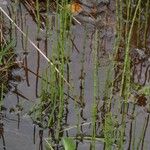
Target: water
(18, 126)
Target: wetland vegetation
(75, 74)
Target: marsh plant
(7, 57)
(123, 89)
(50, 111)
(132, 31)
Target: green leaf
(4, 50)
(68, 143)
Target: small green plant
(7, 61)
(5, 51)
(109, 127)
(68, 143)
(145, 90)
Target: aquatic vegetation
(95, 75)
(68, 144)
(7, 63)
(109, 131)
(7, 59)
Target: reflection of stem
(74, 99)
(30, 41)
(131, 133)
(26, 72)
(146, 125)
(4, 145)
(37, 72)
(142, 136)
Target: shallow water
(19, 129)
